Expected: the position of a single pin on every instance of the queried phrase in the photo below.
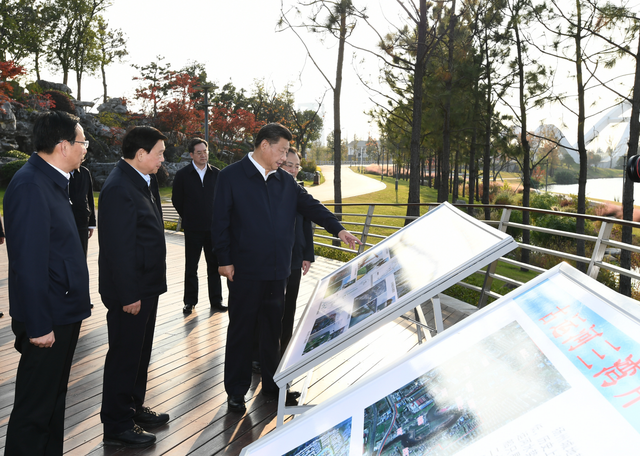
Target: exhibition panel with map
(403, 271)
(553, 368)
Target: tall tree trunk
(486, 161)
(337, 132)
(104, 83)
(526, 149)
(443, 194)
(79, 84)
(416, 124)
(582, 148)
(627, 191)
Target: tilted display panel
(550, 369)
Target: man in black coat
(82, 204)
(192, 197)
(254, 209)
(48, 284)
(132, 263)
(301, 257)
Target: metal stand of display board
(384, 283)
(423, 333)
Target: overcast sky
(237, 41)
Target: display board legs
(437, 313)
(283, 409)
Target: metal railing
(593, 263)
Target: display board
(414, 264)
(552, 368)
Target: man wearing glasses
(301, 257)
(48, 283)
(192, 197)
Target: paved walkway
(353, 184)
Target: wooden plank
(186, 369)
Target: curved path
(353, 184)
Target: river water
(603, 189)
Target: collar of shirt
(201, 172)
(67, 175)
(260, 168)
(146, 177)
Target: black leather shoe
(148, 418)
(290, 400)
(133, 438)
(187, 309)
(255, 367)
(219, 308)
(236, 404)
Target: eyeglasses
(293, 165)
(84, 143)
(200, 152)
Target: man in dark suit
(254, 209)
(192, 197)
(301, 257)
(81, 196)
(48, 284)
(132, 276)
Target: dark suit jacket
(303, 245)
(81, 196)
(193, 198)
(48, 276)
(253, 220)
(132, 259)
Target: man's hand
(227, 271)
(132, 309)
(45, 341)
(305, 266)
(349, 239)
(90, 233)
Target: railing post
(365, 230)
(491, 269)
(599, 249)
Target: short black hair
(51, 127)
(194, 142)
(272, 132)
(140, 138)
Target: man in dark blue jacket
(81, 196)
(254, 209)
(301, 257)
(48, 283)
(192, 197)
(132, 263)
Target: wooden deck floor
(186, 370)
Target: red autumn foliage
(8, 70)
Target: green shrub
(333, 254)
(15, 154)
(565, 177)
(504, 197)
(309, 166)
(8, 170)
(112, 119)
(214, 161)
(535, 183)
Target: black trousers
(290, 299)
(83, 232)
(36, 425)
(194, 243)
(127, 363)
(255, 310)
